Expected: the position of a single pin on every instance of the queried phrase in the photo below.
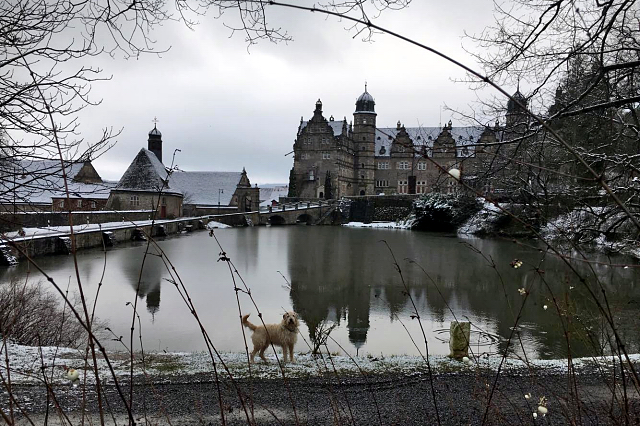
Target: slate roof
(147, 173)
(420, 136)
(38, 181)
(269, 193)
(201, 188)
(463, 136)
(336, 126)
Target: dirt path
(383, 399)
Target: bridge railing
(300, 205)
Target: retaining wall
(60, 243)
(13, 222)
(373, 208)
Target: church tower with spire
(364, 132)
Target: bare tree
(579, 62)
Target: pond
(347, 277)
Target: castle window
(422, 165)
(61, 204)
(383, 165)
(326, 155)
(421, 187)
(93, 205)
(362, 148)
(364, 121)
(403, 165)
(382, 183)
(79, 204)
(311, 175)
(362, 165)
(364, 138)
(325, 140)
(135, 201)
(403, 186)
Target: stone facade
(333, 159)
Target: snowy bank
(380, 225)
(26, 362)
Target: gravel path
(381, 399)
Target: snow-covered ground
(26, 363)
(388, 225)
(482, 222)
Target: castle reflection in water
(349, 276)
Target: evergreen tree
(328, 190)
(293, 191)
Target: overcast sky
(226, 107)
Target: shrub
(443, 212)
(31, 315)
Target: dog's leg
(262, 354)
(284, 354)
(253, 354)
(291, 353)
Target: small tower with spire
(155, 140)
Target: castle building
(333, 159)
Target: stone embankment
(32, 242)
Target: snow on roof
(267, 194)
(420, 136)
(38, 181)
(336, 126)
(201, 188)
(145, 173)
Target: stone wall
(375, 208)
(47, 245)
(13, 222)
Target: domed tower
(364, 132)
(155, 142)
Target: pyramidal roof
(145, 173)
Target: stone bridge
(309, 213)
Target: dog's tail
(246, 322)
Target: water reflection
(352, 272)
(347, 276)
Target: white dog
(284, 334)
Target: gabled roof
(424, 136)
(38, 181)
(420, 136)
(147, 173)
(201, 188)
(336, 126)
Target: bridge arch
(277, 220)
(304, 218)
